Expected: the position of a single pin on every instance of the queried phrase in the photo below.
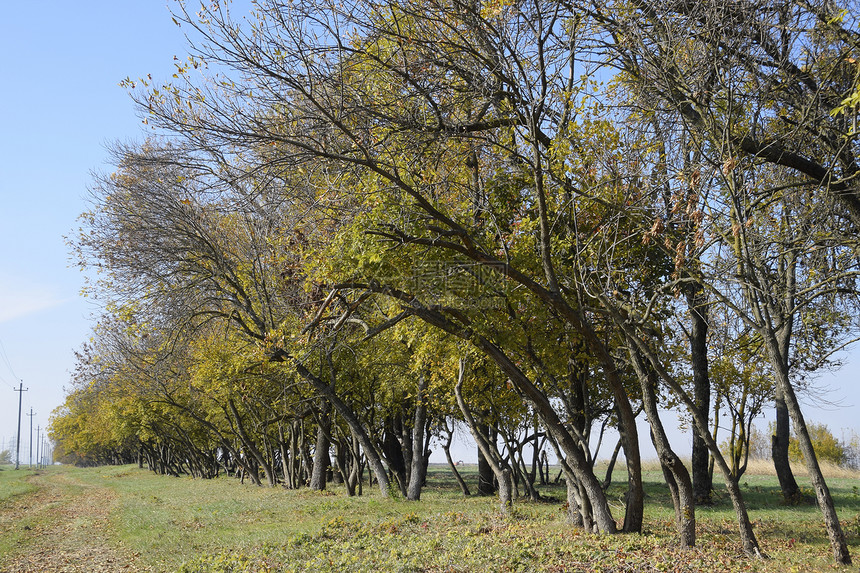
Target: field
(127, 519)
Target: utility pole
(30, 449)
(38, 459)
(18, 439)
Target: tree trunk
(779, 451)
(418, 471)
(747, 535)
(285, 458)
(578, 508)
(503, 475)
(568, 444)
(634, 506)
(355, 427)
(597, 502)
(251, 447)
(822, 493)
(447, 448)
(345, 469)
(698, 307)
(322, 459)
(486, 485)
(357, 466)
(610, 467)
(393, 450)
(340, 462)
(307, 463)
(575, 514)
(677, 477)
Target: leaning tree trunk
(747, 535)
(589, 486)
(779, 451)
(460, 481)
(251, 447)
(576, 459)
(677, 477)
(503, 475)
(610, 466)
(346, 413)
(578, 509)
(822, 493)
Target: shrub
(826, 446)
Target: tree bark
(251, 447)
(634, 499)
(610, 467)
(503, 475)
(677, 477)
(700, 462)
(418, 471)
(392, 448)
(575, 457)
(822, 493)
(779, 451)
(460, 481)
(285, 458)
(355, 427)
(486, 485)
(578, 508)
(747, 535)
(322, 459)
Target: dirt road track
(63, 526)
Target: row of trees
(357, 222)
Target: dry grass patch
(756, 467)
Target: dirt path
(62, 527)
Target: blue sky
(60, 105)
(60, 63)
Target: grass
(220, 525)
(13, 482)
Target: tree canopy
(355, 222)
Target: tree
(343, 119)
(827, 447)
(744, 389)
(769, 92)
(778, 89)
(355, 196)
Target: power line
(6, 382)
(6, 360)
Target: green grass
(13, 482)
(201, 516)
(221, 525)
